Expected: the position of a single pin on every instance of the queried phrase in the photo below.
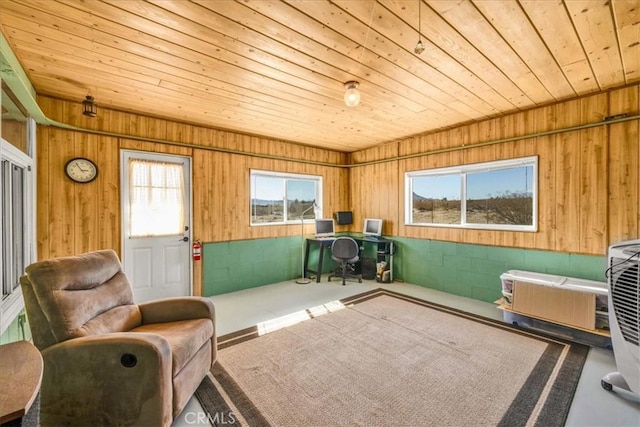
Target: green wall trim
(243, 264)
(17, 330)
(463, 269)
(474, 271)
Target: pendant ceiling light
(351, 94)
(89, 107)
(419, 46)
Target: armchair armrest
(178, 308)
(120, 378)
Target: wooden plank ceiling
(278, 68)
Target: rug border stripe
(222, 408)
(525, 401)
(563, 390)
(245, 406)
(471, 316)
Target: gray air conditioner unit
(624, 318)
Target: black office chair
(346, 251)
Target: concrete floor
(592, 405)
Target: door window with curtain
(156, 196)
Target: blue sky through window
(268, 188)
(438, 187)
(480, 185)
(272, 188)
(301, 190)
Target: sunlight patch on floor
(298, 316)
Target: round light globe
(352, 94)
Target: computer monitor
(372, 227)
(325, 228)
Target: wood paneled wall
(588, 179)
(75, 218)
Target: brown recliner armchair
(107, 360)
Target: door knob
(184, 239)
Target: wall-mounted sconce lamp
(89, 107)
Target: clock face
(81, 170)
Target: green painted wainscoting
(243, 264)
(18, 330)
(474, 271)
(471, 271)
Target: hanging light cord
(366, 38)
(419, 20)
(419, 46)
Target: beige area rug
(385, 359)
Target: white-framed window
(17, 212)
(281, 198)
(499, 195)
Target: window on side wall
(282, 198)
(17, 213)
(17, 205)
(500, 195)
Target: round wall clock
(81, 170)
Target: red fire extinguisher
(197, 250)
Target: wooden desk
(20, 379)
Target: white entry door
(156, 229)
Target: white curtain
(156, 198)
